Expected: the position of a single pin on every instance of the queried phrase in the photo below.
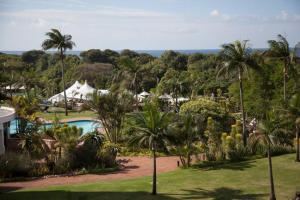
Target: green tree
(183, 135)
(263, 135)
(175, 82)
(130, 68)
(26, 108)
(32, 142)
(66, 138)
(294, 110)
(61, 43)
(174, 60)
(280, 50)
(111, 110)
(237, 59)
(150, 128)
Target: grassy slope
(246, 180)
(60, 113)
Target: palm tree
(183, 136)
(60, 42)
(237, 59)
(263, 135)
(294, 110)
(150, 127)
(280, 50)
(130, 67)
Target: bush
(108, 154)
(207, 108)
(63, 165)
(14, 165)
(39, 170)
(238, 154)
(85, 155)
(276, 150)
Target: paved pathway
(134, 167)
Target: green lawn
(245, 180)
(60, 113)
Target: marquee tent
(84, 91)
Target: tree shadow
(232, 165)
(222, 193)
(8, 188)
(70, 195)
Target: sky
(148, 24)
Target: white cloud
(214, 13)
(285, 16)
(39, 22)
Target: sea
(155, 53)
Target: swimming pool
(86, 125)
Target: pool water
(86, 125)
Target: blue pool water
(86, 125)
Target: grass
(244, 180)
(60, 113)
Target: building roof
(6, 114)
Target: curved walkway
(133, 167)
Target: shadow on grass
(222, 193)
(70, 195)
(216, 165)
(8, 189)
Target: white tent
(182, 99)
(144, 94)
(70, 92)
(103, 92)
(15, 86)
(56, 98)
(165, 97)
(84, 91)
(73, 90)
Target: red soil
(133, 167)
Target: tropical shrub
(108, 154)
(208, 108)
(204, 107)
(85, 155)
(111, 110)
(184, 138)
(213, 151)
(232, 143)
(15, 164)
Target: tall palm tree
(131, 68)
(60, 42)
(294, 110)
(280, 50)
(263, 135)
(149, 129)
(237, 59)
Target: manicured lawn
(245, 180)
(60, 113)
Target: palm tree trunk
(284, 82)
(242, 107)
(272, 195)
(63, 80)
(136, 97)
(154, 171)
(188, 159)
(176, 101)
(297, 148)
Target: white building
(6, 115)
